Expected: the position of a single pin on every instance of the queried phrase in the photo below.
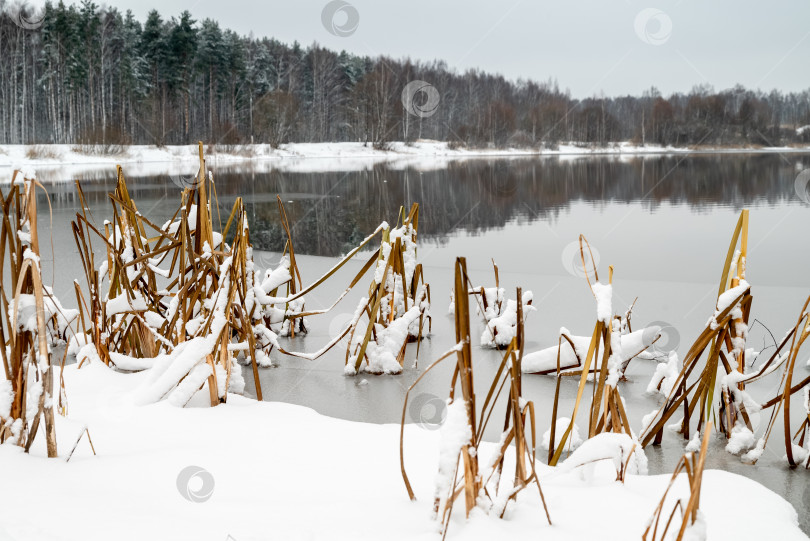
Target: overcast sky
(611, 46)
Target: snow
(574, 439)
(282, 471)
(500, 320)
(274, 278)
(546, 359)
(730, 295)
(126, 362)
(27, 312)
(697, 530)
(33, 393)
(188, 386)
(455, 435)
(754, 454)
(121, 304)
(620, 449)
(168, 370)
(604, 299)
(6, 398)
(800, 454)
(383, 353)
(666, 375)
(741, 439)
(616, 354)
(141, 160)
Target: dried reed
(463, 455)
(29, 320)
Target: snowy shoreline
(65, 154)
(60, 163)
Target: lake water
(663, 222)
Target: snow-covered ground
(71, 154)
(248, 470)
(64, 162)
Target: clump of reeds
(724, 339)
(291, 319)
(795, 450)
(185, 294)
(604, 361)
(397, 306)
(460, 471)
(692, 466)
(185, 297)
(31, 321)
(396, 310)
(499, 314)
(42, 152)
(568, 357)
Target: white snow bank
(620, 449)
(282, 470)
(64, 162)
(574, 439)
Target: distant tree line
(95, 75)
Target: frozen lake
(663, 222)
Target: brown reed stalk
(718, 339)
(607, 412)
(25, 352)
(796, 337)
(693, 467)
(519, 413)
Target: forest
(93, 75)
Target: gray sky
(588, 46)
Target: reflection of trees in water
(332, 212)
(476, 196)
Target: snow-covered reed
(461, 469)
(603, 361)
(692, 524)
(724, 338)
(32, 321)
(184, 299)
(498, 313)
(394, 313)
